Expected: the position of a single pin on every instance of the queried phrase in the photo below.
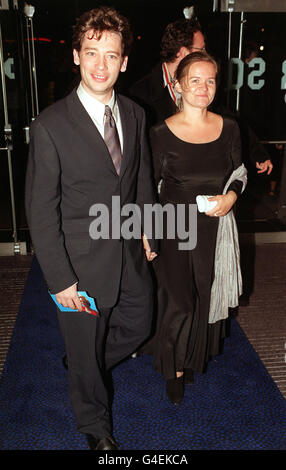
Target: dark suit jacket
(150, 93)
(69, 170)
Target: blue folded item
(87, 302)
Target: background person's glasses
(201, 49)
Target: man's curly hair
(99, 20)
(178, 34)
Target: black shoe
(175, 390)
(65, 361)
(188, 376)
(106, 443)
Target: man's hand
(264, 166)
(150, 255)
(69, 298)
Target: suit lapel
(128, 122)
(160, 95)
(88, 130)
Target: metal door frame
(16, 246)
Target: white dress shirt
(96, 110)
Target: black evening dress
(183, 337)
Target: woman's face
(198, 87)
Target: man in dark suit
(87, 149)
(155, 91)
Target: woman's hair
(99, 20)
(189, 60)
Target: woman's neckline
(197, 143)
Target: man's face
(100, 62)
(198, 42)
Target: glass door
(248, 37)
(18, 106)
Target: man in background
(155, 91)
(157, 94)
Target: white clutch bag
(204, 205)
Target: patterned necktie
(112, 139)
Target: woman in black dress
(195, 151)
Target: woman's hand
(223, 205)
(150, 255)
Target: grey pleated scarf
(227, 284)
